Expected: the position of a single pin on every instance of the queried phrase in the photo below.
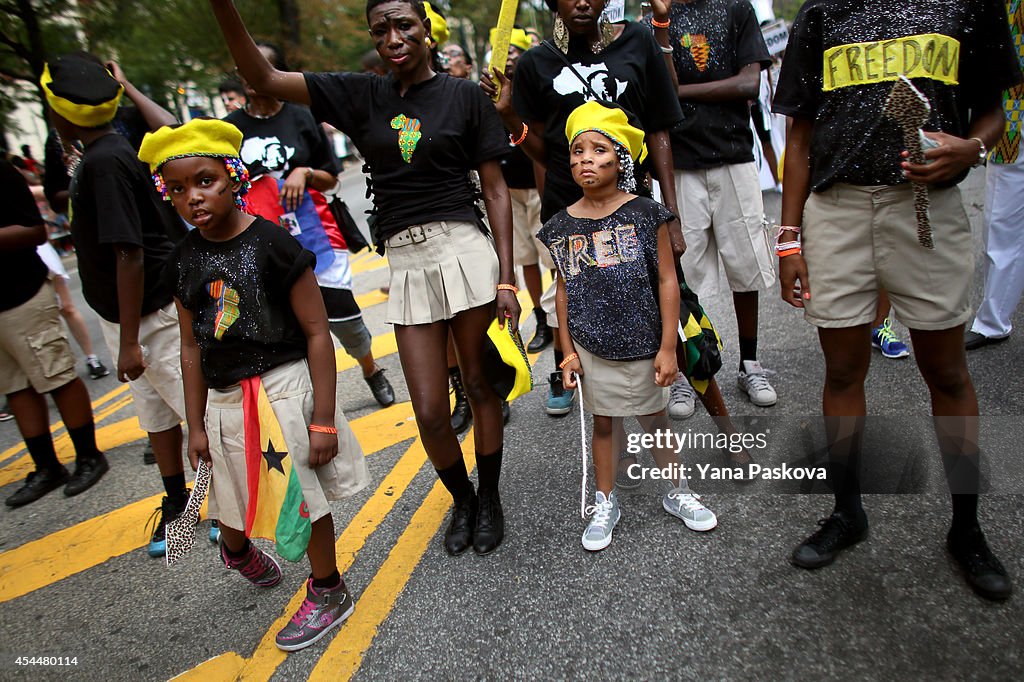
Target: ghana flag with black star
(276, 510)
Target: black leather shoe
(462, 416)
(88, 471)
(836, 533)
(542, 338)
(459, 535)
(37, 484)
(381, 388)
(974, 340)
(490, 522)
(982, 569)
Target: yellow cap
(517, 38)
(438, 25)
(84, 92)
(611, 122)
(505, 365)
(198, 137)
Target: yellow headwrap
(84, 114)
(198, 137)
(610, 122)
(518, 38)
(438, 25)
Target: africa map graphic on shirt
(269, 152)
(227, 306)
(408, 134)
(1007, 149)
(598, 78)
(699, 49)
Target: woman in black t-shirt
(421, 133)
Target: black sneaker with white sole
(834, 534)
(982, 569)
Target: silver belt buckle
(413, 232)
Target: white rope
(583, 448)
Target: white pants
(1004, 248)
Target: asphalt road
(661, 602)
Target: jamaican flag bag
(699, 351)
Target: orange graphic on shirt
(699, 49)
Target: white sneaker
(685, 504)
(604, 515)
(681, 398)
(754, 380)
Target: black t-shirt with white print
(713, 40)
(22, 272)
(610, 270)
(630, 71)
(420, 147)
(239, 294)
(289, 139)
(843, 57)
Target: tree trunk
(36, 57)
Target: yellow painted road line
(368, 300)
(369, 264)
(267, 657)
(344, 654)
(382, 345)
(66, 552)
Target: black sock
(489, 468)
(965, 512)
(748, 350)
(542, 317)
(84, 440)
(456, 480)
(240, 553)
(559, 356)
(42, 452)
(175, 486)
(330, 581)
(843, 465)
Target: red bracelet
(522, 137)
(660, 24)
(323, 429)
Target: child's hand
(568, 378)
(322, 448)
(198, 448)
(665, 368)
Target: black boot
(490, 522)
(459, 535)
(543, 336)
(462, 417)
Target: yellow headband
(198, 137)
(438, 25)
(517, 38)
(82, 115)
(610, 122)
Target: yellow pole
(499, 49)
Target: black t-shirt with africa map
(630, 71)
(843, 57)
(289, 139)
(610, 269)
(713, 40)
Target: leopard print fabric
(910, 110)
(181, 532)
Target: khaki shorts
(526, 248)
(439, 269)
(33, 347)
(158, 395)
(723, 218)
(290, 393)
(620, 389)
(859, 239)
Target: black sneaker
(37, 484)
(148, 456)
(462, 416)
(542, 338)
(96, 369)
(490, 522)
(381, 388)
(88, 471)
(836, 533)
(459, 535)
(167, 511)
(982, 569)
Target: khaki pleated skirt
(612, 388)
(439, 269)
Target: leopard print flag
(181, 532)
(910, 110)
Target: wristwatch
(982, 152)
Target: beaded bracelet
(568, 358)
(323, 429)
(660, 24)
(508, 287)
(522, 137)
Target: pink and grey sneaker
(324, 608)
(256, 566)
